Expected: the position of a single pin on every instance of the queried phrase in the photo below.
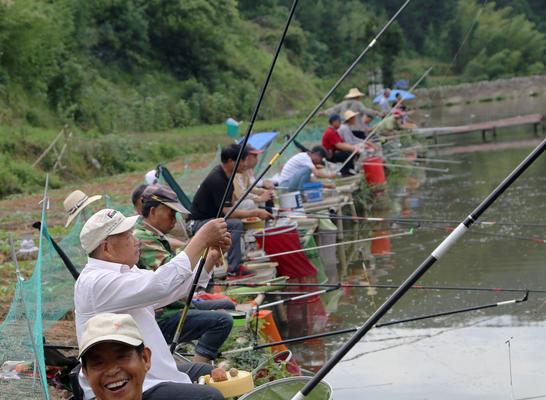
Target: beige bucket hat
(108, 327)
(76, 202)
(353, 93)
(347, 115)
(102, 224)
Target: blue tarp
(260, 140)
(405, 95)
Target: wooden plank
(530, 119)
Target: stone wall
(481, 91)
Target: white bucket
(291, 200)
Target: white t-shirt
(295, 164)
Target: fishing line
(508, 343)
(201, 264)
(325, 246)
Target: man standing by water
(384, 103)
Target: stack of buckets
(374, 171)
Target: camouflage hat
(164, 196)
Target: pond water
(464, 355)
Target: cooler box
(313, 191)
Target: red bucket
(285, 239)
(381, 246)
(374, 171)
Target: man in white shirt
(110, 282)
(297, 171)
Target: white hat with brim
(109, 327)
(354, 93)
(347, 115)
(76, 202)
(102, 224)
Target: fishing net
(23, 373)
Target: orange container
(374, 171)
(381, 246)
(269, 328)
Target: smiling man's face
(116, 370)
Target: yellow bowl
(234, 386)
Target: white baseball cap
(102, 224)
(108, 327)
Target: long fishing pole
(436, 255)
(407, 166)
(315, 110)
(428, 160)
(389, 323)
(382, 286)
(296, 298)
(284, 253)
(416, 220)
(369, 136)
(227, 191)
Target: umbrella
(260, 140)
(404, 93)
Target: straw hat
(354, 93)
(347, 115)
(75, 202)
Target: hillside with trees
(122, 66)
(158, 64)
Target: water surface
(466, 355)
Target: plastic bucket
(381, 246)
(232, 127)
(287, 388)
(374, 171)
(285, 239)
(291, 200)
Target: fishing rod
(315, 110)
(496, 235)
(383, 286)
(431, 160)
(66, 260)
(389, 323)
(368, 137)
(417, 220)
(407, 166)
(227, 191)
(284, 253)
(295, 298)
(434, 256)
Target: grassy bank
(91, 155)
